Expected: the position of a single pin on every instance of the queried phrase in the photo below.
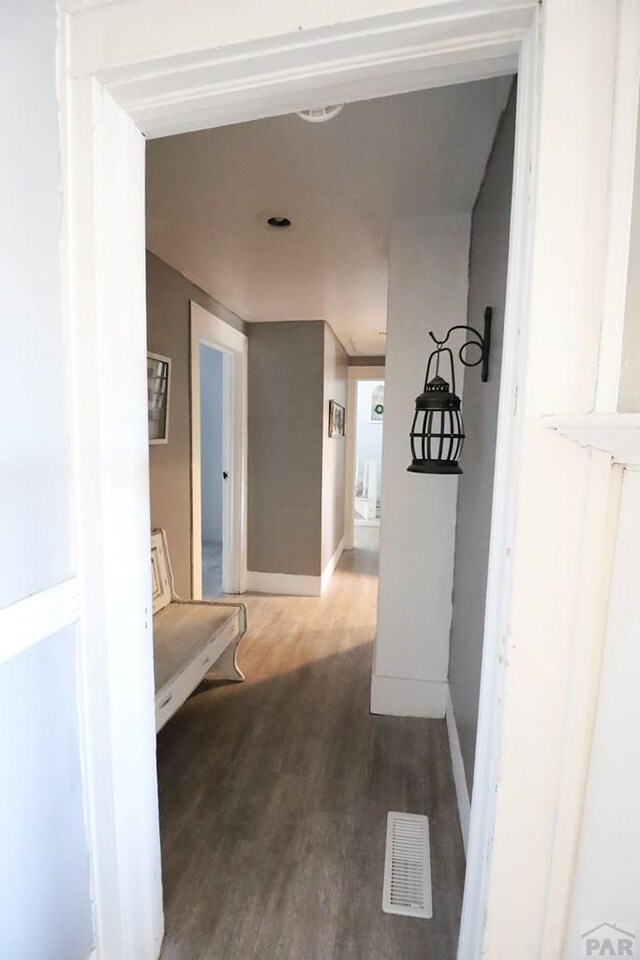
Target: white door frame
(172, 73)
(209, 330)
(354, 374)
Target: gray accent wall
(487, 287)
(366, 361)
(168, 333)
(286, 387)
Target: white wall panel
(35, 541)
(45, 912)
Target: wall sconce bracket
(477, 340)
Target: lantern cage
(437, 432)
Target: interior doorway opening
(367, 492)
(301, 375)
(213, 470)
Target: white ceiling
(341, 183)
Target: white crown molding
(615, 433)
(212, 82)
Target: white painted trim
(354, 374)
(292, 584)
(499, 574)
(286, 584)
(621, 182)
(327, 573)
(209, 330)
(104, 270)
(151, 63)
(292, 68)
(615, 433)
(27, 622)
(402, 697)
(459, 775)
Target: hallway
(274, 794)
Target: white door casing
(173, 73)
(211, 331)
(354, 374)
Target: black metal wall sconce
(437, 432)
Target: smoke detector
(320, 114)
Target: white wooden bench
(191, 638)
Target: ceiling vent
(320, 114)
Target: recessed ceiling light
(279, 222)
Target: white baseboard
(327, 573)
(400, 697)
(287, 584)
(292, 584)
(459, 776)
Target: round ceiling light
(320, 114)
(279, 222)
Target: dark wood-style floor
(274, 795)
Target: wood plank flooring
(274, 794)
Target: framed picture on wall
(336, 419)
(158, 383)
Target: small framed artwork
(336, 419)
(158, 383)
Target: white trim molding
(141, 65)
(327, 573)
(293, 584)
(459, 776)
(402, 697)
(27, 622)
(285, 584)
(617, 434)
(622, 175)
(354, 374)
(209, 330)
(292, 66)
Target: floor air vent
(407, 866)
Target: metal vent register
(407, 866)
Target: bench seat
(191, 638)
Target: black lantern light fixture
(437, 432)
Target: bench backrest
(161, 573)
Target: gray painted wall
(286, 387)
(211, 364)
(487, 287)
(334, 453)
(168, 333)
(366, 361)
